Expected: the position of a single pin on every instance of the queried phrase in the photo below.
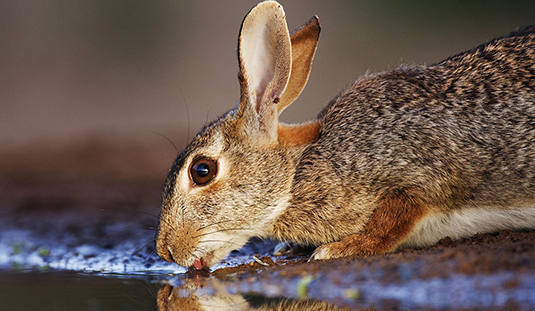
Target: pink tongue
(199, 264)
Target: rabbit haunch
(400, 158)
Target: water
(116, 269)
(67, 290)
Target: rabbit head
(234, 178)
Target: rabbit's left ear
(265, 57)
(304, 44)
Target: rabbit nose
(163, 249)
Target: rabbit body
(449, 146)
(400, 158)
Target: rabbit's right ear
(265, 57)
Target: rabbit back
(454, 135)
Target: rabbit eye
(203, 170)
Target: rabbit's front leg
(392, 221)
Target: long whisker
(169, 140)
(230, 303)
(221, 230)
(226, 242)
(187, 112)
(129, 211)
(140, 247)
(213, 224)
(206, 121)
(165, 221)
(163, 171)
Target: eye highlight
(202, 170)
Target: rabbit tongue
(199, 263)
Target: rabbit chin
(217, 248)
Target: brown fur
(298, 134)
(390, 223)
(386, 154)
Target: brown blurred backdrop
(74, 68)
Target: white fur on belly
(467, 222)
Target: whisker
(152, 293)
(191, 253)
(121, 230)
(206, 121)
(165, 170)
(187, 112)
(226, 242)
(225, 307)
(129, 211)
(213, 224)
(152, 254)
(169, 140)
(221, 230)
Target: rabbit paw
(291, 249)
(353, 246)
(329, 251)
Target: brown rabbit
(397, 159)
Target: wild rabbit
(397, 159)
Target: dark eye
(203, 170)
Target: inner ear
(304, 44)
(264, 54)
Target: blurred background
(70, 69)
(85, 85)
(93, 92)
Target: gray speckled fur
(459, 133)
(402, 158)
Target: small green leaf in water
(43, 252)
(351, 293)
(302, 286)
(17, 248)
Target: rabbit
(397, 159)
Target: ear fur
(265, 57)
(274, 69)
(304, 44)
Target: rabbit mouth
(199, 264)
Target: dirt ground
(108, 174)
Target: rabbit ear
(304, 43)
(265, 57)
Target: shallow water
(68, 290)
(45, 264)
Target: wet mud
(93, 206)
